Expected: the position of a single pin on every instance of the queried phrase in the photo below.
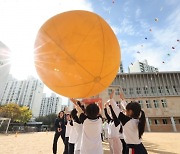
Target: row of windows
(151, 103)
(155, 103)
(146, 90)
(162, 121)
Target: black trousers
(66, 145)
(70, 148)
(56, 137)
(124, 146)
(138, 148)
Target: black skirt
(135, 149)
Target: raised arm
(121, 117)
(106, 113)
(74, 101)
(80, 114)
(115, 119)
(116, 109)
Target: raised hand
(112, 94)
(121, 96)
(106, 105)
(73, 100)
(79, 109)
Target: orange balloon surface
(77, 54)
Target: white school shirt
(130, 129)
(130, 132)
(78, 129)
(73, 135)
(117, 110)
(91, 142)
(113, 131)
(68, 129)
(105, 126)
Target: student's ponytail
(141, 125)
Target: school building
(158, 94)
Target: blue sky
(131, 21)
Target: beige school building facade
(158, 94)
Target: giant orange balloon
(77, 54)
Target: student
(78, 128)
(92, 127)
(73, 134)
(59, 130)
(68, 129)
(133, 126)
(113, 134)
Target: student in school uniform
(113, 134)
(68, 129)
(78, 128)
(73, 133)
(133, 125)
(59, 130)
(91, 142)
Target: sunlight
(22, 64)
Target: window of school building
(164, 103)
(156, 103)
(130, 91)
(150, 121)
(160, 89)
(167, 90)
(174, 87)
(156, 121)
(141, 103)
(145, 90)
(164, 121)
(153, 90)
(124, 91)
(109, 91)
(148, 104)
(138, 90)
(117, 92)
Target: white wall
(4, 66)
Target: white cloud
(161, 9)
(138, 13)
(156, 49)
(115, 29)
(126, 6)
(172, 2)
(107, 9)
(126, 27)
(123, 43)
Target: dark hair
(92, 111)
(136, 109)
(67, 114)
(74, 115)
(59, 114)
(81, 106)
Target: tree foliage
(47, 120)
(15, 112)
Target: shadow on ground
(151, 147)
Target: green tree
(25, 115)
(47, 120)
(10, 111)
(15, 112)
